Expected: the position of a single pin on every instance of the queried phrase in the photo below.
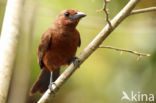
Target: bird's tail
(41, 85)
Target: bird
(57, 47)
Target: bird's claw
(51, 88)
(75, 61)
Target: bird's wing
(79, 44)
(43, 47)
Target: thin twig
(105, 32)
(150, 9)
(125, 50)
(106, 13)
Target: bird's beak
(77, 16)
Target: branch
(8, 44)
(150, 9)
(125, 50)
(106, 12)
(105, 32)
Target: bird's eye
(67, 14)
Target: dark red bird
(57, 47)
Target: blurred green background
(106, 73)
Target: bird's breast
(63, 48)
(65, 41)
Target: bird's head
(69, 17)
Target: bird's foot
(51, 88)
(75, 61)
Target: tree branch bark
(106, 12)
(8, 44)
(150, 9)
(90, 49)
(125, 50)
